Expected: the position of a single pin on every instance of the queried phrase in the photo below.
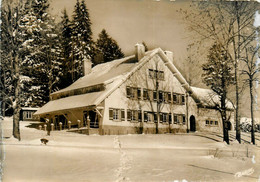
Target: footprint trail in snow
(124, 162)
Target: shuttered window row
(138, 116)
(152, 95)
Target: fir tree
(65, 40)
(218, 75)
(82, 43)
(41, 52)
(107, 48)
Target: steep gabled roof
(208, 98)
(112, 74)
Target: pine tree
(107, 48)
(41, 52)
(218, 75)
(82, 43)
(65, 40)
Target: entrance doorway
(192, 123)
(93, 119)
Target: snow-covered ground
(75, 157)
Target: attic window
(155, 74)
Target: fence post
(69, 125)
(78, 124)
(60, 125)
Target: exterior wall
(27, 115)
(118, 100)
(212, 115)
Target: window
(160, 75)
(179, 119)
(211, 123)
(175, 118)
(165, 117)
(128, 92)
(116, 114)
(155, 74)
(151, 73)
(132, 115)
(28, 114)
(149, 117)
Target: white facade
(132, 96)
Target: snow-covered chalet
(131, 95)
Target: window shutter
(145, 94)
(183, 99)
(154, 95)
(161, 117)
(140, 116)
(122, 114)
(170, 118)
(128, 92)
(128, 115)
(139, 93)
(175, 119)
(111, 114)
(145, 117)
(169, 97)
(155, 117)
(160, 96)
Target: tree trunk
(16, 116)
(238, 132)
(252, 111)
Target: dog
(44, 141)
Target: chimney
(169, 55)
(139, 51)
(87, 64)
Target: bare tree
(251, 69)
(229, 23)
(12, 13)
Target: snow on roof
(30, 108)
(101, 74)
(78, 101)
(209, 98)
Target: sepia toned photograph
(129, 91)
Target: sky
(132, 21)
